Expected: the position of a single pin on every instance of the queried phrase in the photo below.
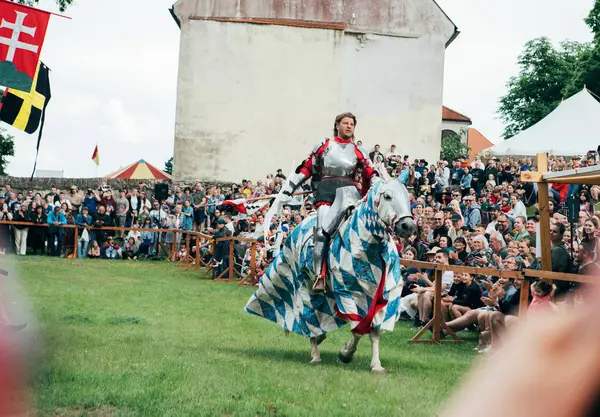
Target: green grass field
(150, 339)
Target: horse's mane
(364, 213)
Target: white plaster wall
(395, 86)
(254, 98)
(456, 126)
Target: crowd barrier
(181, 238)
(526, 274)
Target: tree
(545, 72)
(453, 147)
(593, 20)
(169, 166)
(7, 149)
(62, 4)
(549, 75)
(587, 72)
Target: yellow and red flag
(96, 156)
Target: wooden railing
(171, 250)
(232, 267)
(527, 274)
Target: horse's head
(392, 205)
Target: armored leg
(328, 220)
(321, 244)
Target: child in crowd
(541, 293)
(94, 252)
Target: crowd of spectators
(480, 214)
(477, 214)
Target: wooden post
(524, 298)
(197, 252)
(252, 274)
(437, 321)
(543, 203)
(173, 256)
(253, 262)
(437, 306)
(76, 246)
(187, 247)
(231, 261)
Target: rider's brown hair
(339, 118)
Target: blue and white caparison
(364, 278)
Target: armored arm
(369, 171)
(304, 170)
(294, 181)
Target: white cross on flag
(22, 33)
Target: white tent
(573, 128)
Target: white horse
(364, 284)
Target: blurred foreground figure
(13, 380)
(13, 394)
(549, 366)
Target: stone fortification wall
(44, 184)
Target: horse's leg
(314, 343)
(376, 367)
(347, 352)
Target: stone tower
(260, 82)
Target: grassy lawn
(150, 339)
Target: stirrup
(319, 284)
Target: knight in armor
(333, 164)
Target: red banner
(22, 33)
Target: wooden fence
(181, 238)
(527, 274)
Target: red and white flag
(245, 207)
(22, 33)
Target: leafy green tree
(7, 149)
(548, 75)
(169, 166)
(593, 20)
(453, 147)
(587, 72)
(545, 72)
(62, 4)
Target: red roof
(477, 143)
(449, 114)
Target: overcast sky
(114, 72)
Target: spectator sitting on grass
(111, 249)
(130, 250)
(94, 252)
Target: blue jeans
(111, 252)
(82, 246)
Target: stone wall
(44, 184)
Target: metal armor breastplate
(338, 160)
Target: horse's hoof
(315, 361)
(378, 371)
(343, 358)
